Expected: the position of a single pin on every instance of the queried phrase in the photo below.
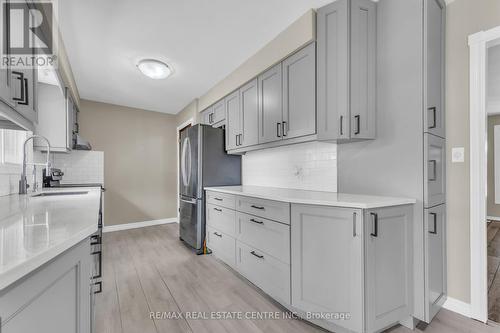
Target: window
(11, 143)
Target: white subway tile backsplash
(306, 166)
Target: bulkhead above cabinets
(323, 91)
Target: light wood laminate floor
(148, 270)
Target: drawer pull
(218, 199)
(257, 207)
(434, 222)
(375, 224)
(218, 209)
(257, 255)
(217, 234)
(433, 110)
(255, 221)
(434, 170)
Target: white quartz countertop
(314, 197)
(34, 230)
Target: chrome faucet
(23, 183)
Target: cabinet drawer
(434, 170)
(263, 234)
(263, 270)
(273, 210)
(222, 245)
(222, 219)
(221, 199)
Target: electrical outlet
(457, 155)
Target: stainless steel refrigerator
(203, 162)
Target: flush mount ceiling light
(154, 69)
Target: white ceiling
(203, 40)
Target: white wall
(79, 166)
(306, 166)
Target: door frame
(478, 46)
(189, 122)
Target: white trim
(494, 218)
(135, 225)
(190, 121)
(458, 306)
(478, 44)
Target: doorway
(484, 235)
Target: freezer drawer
(191, 228)
(434, 170)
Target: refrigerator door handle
(192, 201)
(185, 165)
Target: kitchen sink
(51, 194)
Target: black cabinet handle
(434, 170)
(257, 207)
(257, 255)
(255, 221)
(218, 199)
(217, 234)
(284, 129)
(236, 140)
(23, 100)
(278, 126)
(433, 110)
(241, 136)
(375, 224)
(341, 125)
(357, 118)
(99, 255)
(354, 231)
(218, 209)
(434, 222)
(100, 287)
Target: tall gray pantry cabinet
(408, 157)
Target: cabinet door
(70, 106)
(327, 262)
(435, 260)
(5, 79)
(206, 116)
(299, 93)
(249, 99)
(388, 256)
(363, 38)
(219, 112)
(333, 71)
(434, 170)
(434, 50)
(270, 105)
(233, 120)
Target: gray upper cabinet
(270, 105)
(299, 93)
(249, 101)
(233, 120)
(346, 46)
(434, 51)
(219, 113)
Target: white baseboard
(494, 218)
(457, 306)
(134, 225)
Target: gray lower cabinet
(346, 53)
(353, 264)
(299, 93)
(270, 105)
(435, 258)
(54, 299)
